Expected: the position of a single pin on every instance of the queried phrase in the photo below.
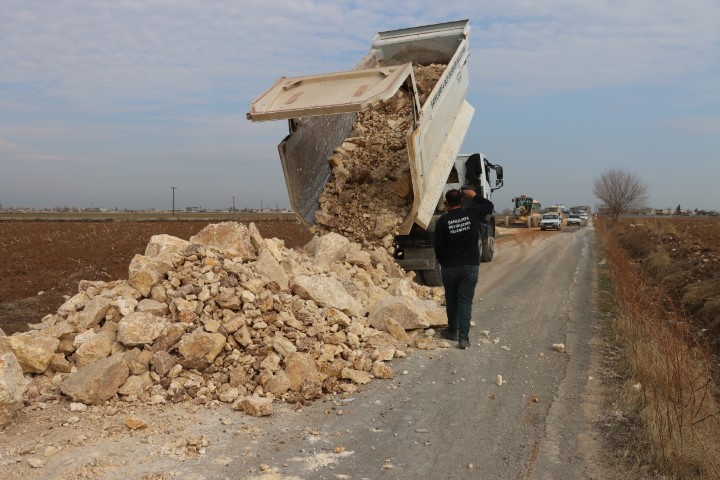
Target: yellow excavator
(527, 213)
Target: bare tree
(619, 191)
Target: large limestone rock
(255, 237)
(278, 384)
(165, 244)
(282, 345)
(403, 287)
(436, 315)
(32, 351)
(199, 343)
(12, 386)
(233, 239)
(406, 311)
(126, 305)
(162, 362)
(395, 329)
(136, 384)
(269, 266)
(300, 366)
(355, 256)
(357, 376)
(381, 257)
(327, 249)
(98, 381)
(92, 314)
(140, 328)
(143, 274)
(73, 304)
(255, 406)
(326, 291)
(96, 347)
(151, 306)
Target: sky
(110, 103)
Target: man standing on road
(457, 235)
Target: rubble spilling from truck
(370, 192)
(227, 316)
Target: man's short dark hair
(454, 198)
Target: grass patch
(670, 387)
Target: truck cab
(415, 250)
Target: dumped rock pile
(229, 317)
(370, 192)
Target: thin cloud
(113, 83)
(14, 153)
(695, 125)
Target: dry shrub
(659, 263)
(675, 396)
(635, 238)
(702, 297)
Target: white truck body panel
(329, 94)
(432, 144)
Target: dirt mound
(231, 317)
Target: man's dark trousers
(459, 283)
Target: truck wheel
(432, 278)
(487, 249)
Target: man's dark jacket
(457, 234)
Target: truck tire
(432, 278)
(487, 243)
(487, 249)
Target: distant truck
(321, 110)
(558, 209)
(526, 212)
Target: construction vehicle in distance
(321, 110)
(526, 212)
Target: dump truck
(321, 111)
(526, 212)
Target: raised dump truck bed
(320, 110)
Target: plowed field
(682, 254)
(52, 257)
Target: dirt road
(442, 416)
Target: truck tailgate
(328, 94)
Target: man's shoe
(463, 343)
(449, 334)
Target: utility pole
(260, 206)
(173, 206)
(233, 203)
